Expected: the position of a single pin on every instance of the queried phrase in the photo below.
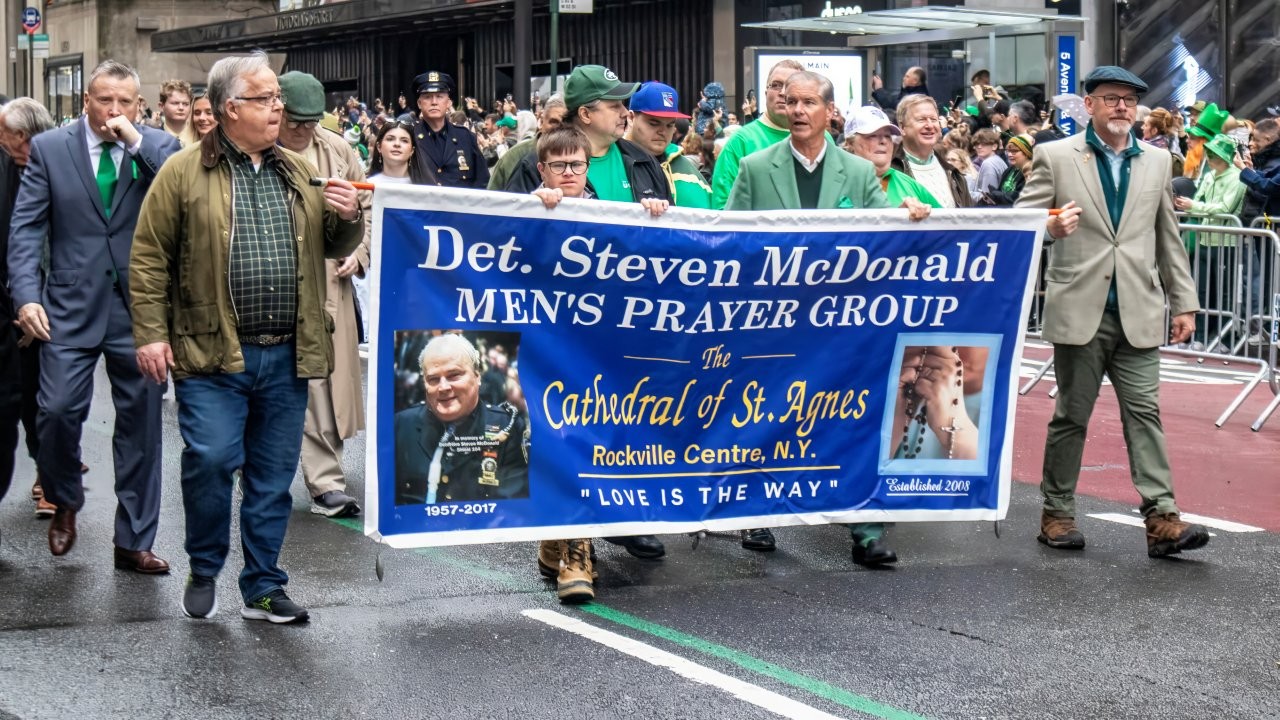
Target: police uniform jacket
(451, 156)
(486, 458)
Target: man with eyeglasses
(1117, 258)
(228, 269)
(75, 214)
(446, 152)
(766, 131)
(335, 405)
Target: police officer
(455, 447)
(447, 153)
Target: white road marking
(1134, 521)
(1119, 518)
(1224, 525)
(754, 694)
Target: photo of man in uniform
(454, 447)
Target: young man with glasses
(563, 162)
(1117, 259)
(335, 405)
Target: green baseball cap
(303, 96)
(588, 83)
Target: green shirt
(899, 186)
(752, 137)
(608, 176)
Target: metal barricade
(1237, 274)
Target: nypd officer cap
(433, 81)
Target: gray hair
(454, 347)
(556, 100)
(825, 88)
(26, 117)
(115, 69)
(1025, 111)
(227, 78)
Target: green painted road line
(836, 695)
(840, 696)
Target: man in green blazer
(808, 172)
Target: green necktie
(107, 177)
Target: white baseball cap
(867, 120)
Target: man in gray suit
(1116, 258)
(808, 172)
(82, 190)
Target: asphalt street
(968, 625)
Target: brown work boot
(1060, 532)
(573, 583)
(44, 508)
(1168, 535)
(549, 558)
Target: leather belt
(265, 340)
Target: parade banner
(591, 371)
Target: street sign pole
(555, 42)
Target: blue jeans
(252, 421)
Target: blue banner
(590, 370)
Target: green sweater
(753, 136)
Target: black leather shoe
(759, 539)
(876, 552)
(645, 547)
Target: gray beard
(1119, 127)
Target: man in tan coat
(1115, 261)
(335, 405)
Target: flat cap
(433, 81)
(303, 96)
(1104, 74)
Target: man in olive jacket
(228, 291)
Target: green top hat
(1210, 122)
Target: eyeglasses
(776, 86)
(1113, 100)
(295, 124)
(264, 100)
(577, 167)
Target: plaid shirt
(264, 262)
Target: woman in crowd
(202, 120)
(958, 158)
(1019, 152)
(391, 160)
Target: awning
(324, 23)
(922, 24)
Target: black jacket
(10, 178)
(643, 172)
(888, 100)
(1267, 164)
(487, 456)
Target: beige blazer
(1145, 254)
(337, 159)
